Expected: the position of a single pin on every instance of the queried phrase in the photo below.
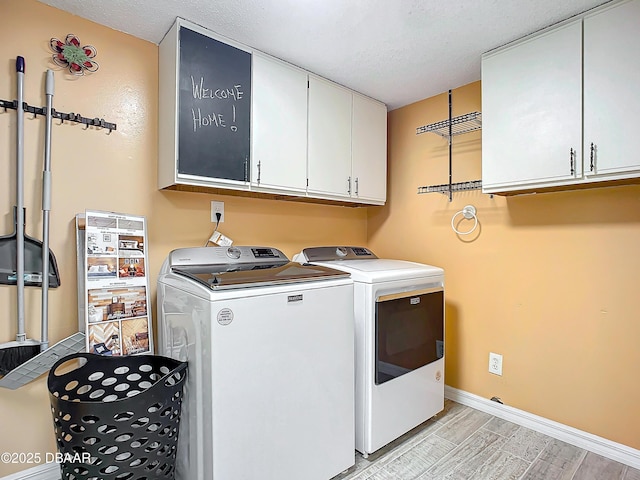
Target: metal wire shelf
(466, 123)
(447, 129)
(453, 187)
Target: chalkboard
(214, 108)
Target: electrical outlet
(217, 207)
(495, 363)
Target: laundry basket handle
(69, 358)
(179, 367)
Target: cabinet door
(214, 109)
(279, 155)
(369, 149)
(611, 100)
(204, 113)
(532, 112)
(329, 160)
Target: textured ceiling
(397, 51)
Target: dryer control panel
(327, 254)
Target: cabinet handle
(349, 185)
(258, 172)
(593, 150)
(246, 172)
(356, 186)
(571, 157)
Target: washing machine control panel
(266, 253)
(225, 256)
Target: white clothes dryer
(270, 345)
(399, 328)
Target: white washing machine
(270, 345)
(399, 322)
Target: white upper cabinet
(611, 99)
(329, 159)
(559, 107)
(347, 156)
(369, 150)
(233, 118)
(532, 111)
(279, 125)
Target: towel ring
(467, 212)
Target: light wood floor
(461, 443)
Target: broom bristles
(13, 357)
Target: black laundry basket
(117, 418)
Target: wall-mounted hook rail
(71, 117)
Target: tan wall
(550, 281)
(117, 172)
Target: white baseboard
(46, 471)
(607, 448)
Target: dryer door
(409, 332)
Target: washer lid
(262, 275)
(242, 267)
